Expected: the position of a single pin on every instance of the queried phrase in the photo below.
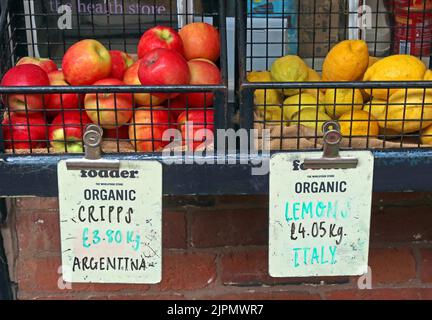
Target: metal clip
(331, 158)
(93, 152)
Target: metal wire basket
(35, 29)
(269, 30)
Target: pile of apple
(164, 57)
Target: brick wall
(216, 248)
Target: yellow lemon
(372, 61)
(346, 61)
(426, 136)
(267, 101)
(358, 123)
(311, 118)
(264, 96)
(340, 101)
(314, 76)
(295, 103)
(428, 75)
(400, 67)
(408, 111)
(270, 113)
(377, 108)
(289, 69)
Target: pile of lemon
(360, 112)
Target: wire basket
(48, 28)
(373, 112)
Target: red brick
(40, 275)
(386, 224)
(38, 231)
(426, 265)
(251, 268)
(187, 271)
(137, 296)
(24, 204)
(381, 294)
(174, 230)
(243, 201)
(280, 295)
(33, 296)
(392, 265)
(229, 228)
(385, 199)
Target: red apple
(203, 72)
(109, 110)
(160, 37)
(23, 76)
(177, 105)
(200, 40)
(66, 131)
(120, 61)
(121, 133)
(192, 124)
(164, 67)
(86, 62)
(46, 64)
(149, 125)
(57, 102)
(22, 132)
(141, 99)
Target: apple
(57, 102)
(86, 62)
(203, 72)
(200, 40)
(149, 125)
(121, 133)
(160, 37)
(46, 64)
(23, 132)
(177, 105)
(163, 67)
(66, 131)
(190, 122)
(109, 110)
(25, 75)
(120, 61)
(141, 99)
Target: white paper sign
(319, 219)
(110, 222)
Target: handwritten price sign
(319, 219)
(111, 223)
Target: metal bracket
(93, 152)
(331, 158)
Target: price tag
(319, 219)
(110, 223)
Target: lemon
(377, 108)
(426, 136)
(346, 61)
(289, 68)
(358, 123)
(267, 101)
(372, 61)
(295, 103)
(340, 101)
(270, 113)
(400, 67)
(406, 109)
(314, 76)
(264, 96)
(311, 118)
